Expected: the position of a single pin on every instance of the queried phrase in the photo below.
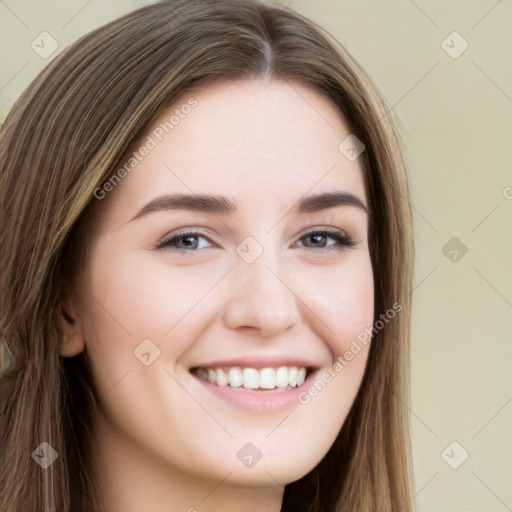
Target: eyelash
(342, 239)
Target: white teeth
(282, 377)
(235, 377)
(267, 378)
(292, 376)
(301, 376)
(222, 378)
(252, 378)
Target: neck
(131, 480)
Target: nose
(260, 300)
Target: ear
(73, 342)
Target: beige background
(455, 122)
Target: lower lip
(263, 401)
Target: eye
(326, 239)
(195, 240)
(189, 241)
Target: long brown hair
(65, 137)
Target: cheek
(136, 299)
(344, 301)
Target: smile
(263, 379)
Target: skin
(164, 442)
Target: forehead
(248, 140)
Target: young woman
(207, 251)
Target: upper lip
(259, 361)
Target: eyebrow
(224, 206)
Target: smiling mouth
(254, 379)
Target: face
(230, 271)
